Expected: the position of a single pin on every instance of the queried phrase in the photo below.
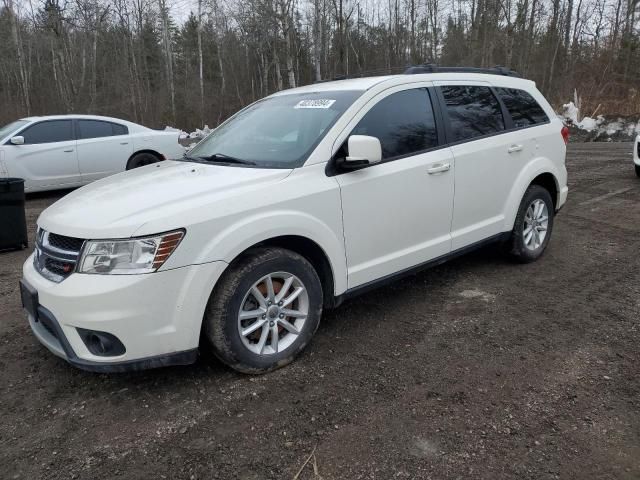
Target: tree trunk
(22, 71)
(317, 40)
(200, 64)
(286, 27)
(166, 40)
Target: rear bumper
(562, 198)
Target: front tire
(533, 226)
(264, 310)
(637, 170)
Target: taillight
(565, 134)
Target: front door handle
(68, 151)
(439, 168)
(124, 143)
(514, 148)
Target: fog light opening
(101, 344)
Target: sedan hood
(118, 206)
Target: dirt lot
(476, 369)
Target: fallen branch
(297, 475)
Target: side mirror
(19, 140)
(363, 150)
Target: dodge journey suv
(298, 201)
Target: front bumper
(48, 331)
(156, 316)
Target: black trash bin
(13, 224)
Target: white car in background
(66, 151)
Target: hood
(119, 205)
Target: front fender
(230, 242)
(535, 167)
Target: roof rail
(432, 68)
(366, 73)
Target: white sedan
(65, 151)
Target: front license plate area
(29, 297)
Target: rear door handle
(124, 143)
(439, 168)
(68, 151)
(514, 148)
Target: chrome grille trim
(45, 252)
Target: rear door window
(403, 122)
(524, 110)
(96, 129)
(473, 111)
(49, 132)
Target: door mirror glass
(363, 150)
(17, 140)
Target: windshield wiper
(222, 158)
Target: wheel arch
(550, 183)
(313, 253)
(320, 243)
(539, 172)
(155, 153)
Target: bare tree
(22, 69)
(166, 42)
(137, 59)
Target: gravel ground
(475, 369)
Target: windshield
(12, 127)
(276, 132)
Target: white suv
(297, 202)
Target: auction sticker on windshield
(317, 103)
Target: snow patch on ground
(600, 128)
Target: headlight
(129, 256)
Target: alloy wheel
(273, 313)
(536, 223)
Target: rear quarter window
(119, 129)
(524, 110)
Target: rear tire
(637, 170)
(533, 226)
(141, 159)
(279, 327)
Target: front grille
(56, 255)
(57, 267)
(65, 243)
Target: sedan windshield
(12, 127)
(277, 132)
